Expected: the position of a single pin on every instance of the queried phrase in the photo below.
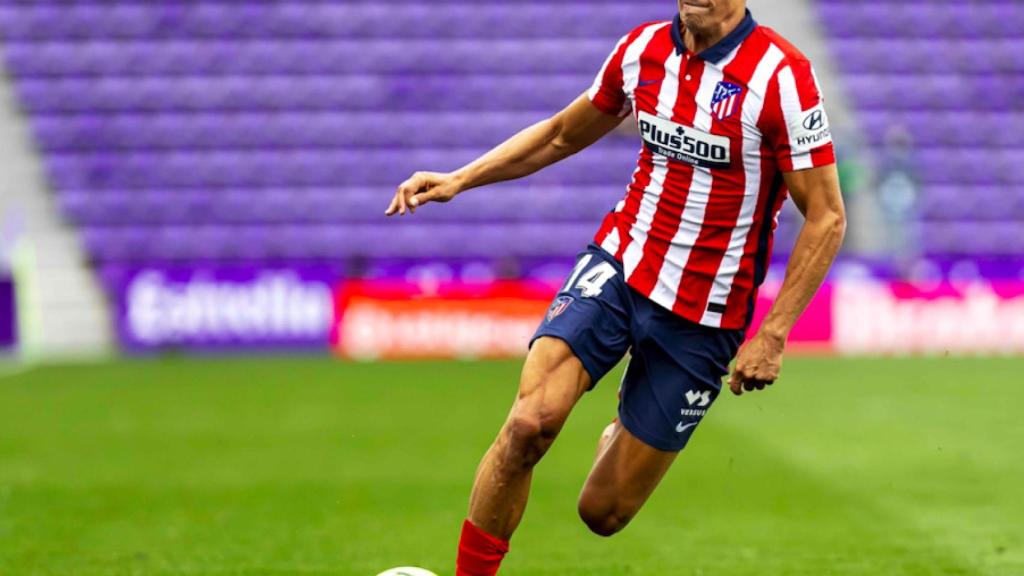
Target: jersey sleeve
(608, 91)
(796, 125)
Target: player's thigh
(553, 379)
(584, 335)
(624, 476)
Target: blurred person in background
(732, 120)
(9, 230)
(897, 195)
(8, 318)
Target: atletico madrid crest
(559, 306)
(725, 101)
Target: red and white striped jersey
(694, 231)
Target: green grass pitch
(317, 467)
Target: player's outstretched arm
(577, 126)
(817, 195)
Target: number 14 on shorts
(589, 281)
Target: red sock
(480, 554)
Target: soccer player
(732, 121)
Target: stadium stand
(275, 130)
(235, 131)
(950, 77)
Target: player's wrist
(775, 333)
(461, 181)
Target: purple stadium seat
(356, 93)
(512, 202)
(304, 57)
(111, 170)
(276, 130)
(306, 20)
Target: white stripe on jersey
(792, 111)
(649, 203)
(752, 107)
(631, 59)
(692, 219)
(630, 79)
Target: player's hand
(420, 188)
(757, 363)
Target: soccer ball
(407, 571)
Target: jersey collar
(724, 46)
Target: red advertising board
(975, 317)
(389, 319)
(383, 319)
(864, 317)
(813, 332)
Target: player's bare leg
(606, 435)
(624, 475)
(552, 381)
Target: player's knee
(602, 519)
(529, 434)
(534, 422)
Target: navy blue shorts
(676, 369)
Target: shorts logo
(680, 428)
(692, 396)
(724, 100)
(559, 306)
(699, 402)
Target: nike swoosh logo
(680, 428)
(647, 83)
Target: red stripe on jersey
(646, 94)
(773, 122)
(741, 296)
(805, 86)
(823, 155)
(669, 210)
(609, 98)
(648, 89)
(726, 198)
(625, 220)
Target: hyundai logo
(816, 121)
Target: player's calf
(625, 474)
(552, 381)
